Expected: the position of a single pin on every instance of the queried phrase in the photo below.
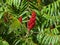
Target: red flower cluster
(31, 22)
(20, 19)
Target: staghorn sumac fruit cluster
(32, 21)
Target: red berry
(20, 19)
(33, 14)
(31, 26)
(32, 20)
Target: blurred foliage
(47, 27)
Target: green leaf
(14, 26)
(5, 43)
